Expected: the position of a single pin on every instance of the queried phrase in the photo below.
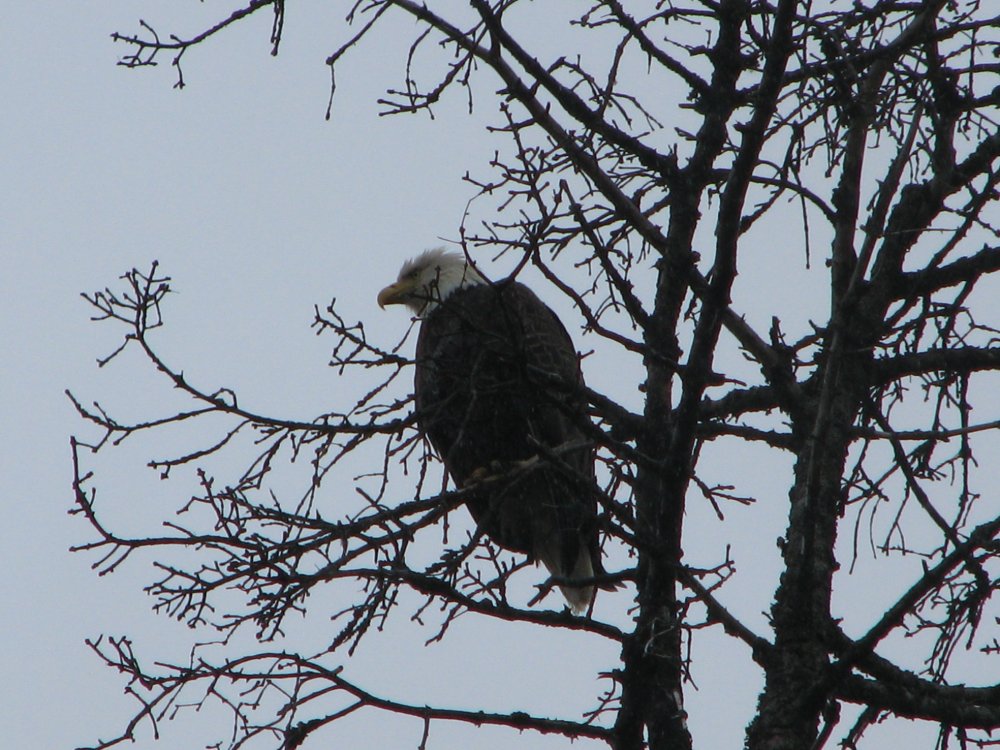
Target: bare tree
(634, 178)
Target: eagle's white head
(427, 280)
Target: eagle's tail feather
(578, 597)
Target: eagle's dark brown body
(489, 362)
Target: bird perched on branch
(497, 394)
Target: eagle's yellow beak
(395, 294)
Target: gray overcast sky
(259, 209)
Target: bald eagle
(488, 363)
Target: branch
(957, 361)
(518, 720)
(904, 693)
(982, 536)
(962, 271)
(975, 709)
